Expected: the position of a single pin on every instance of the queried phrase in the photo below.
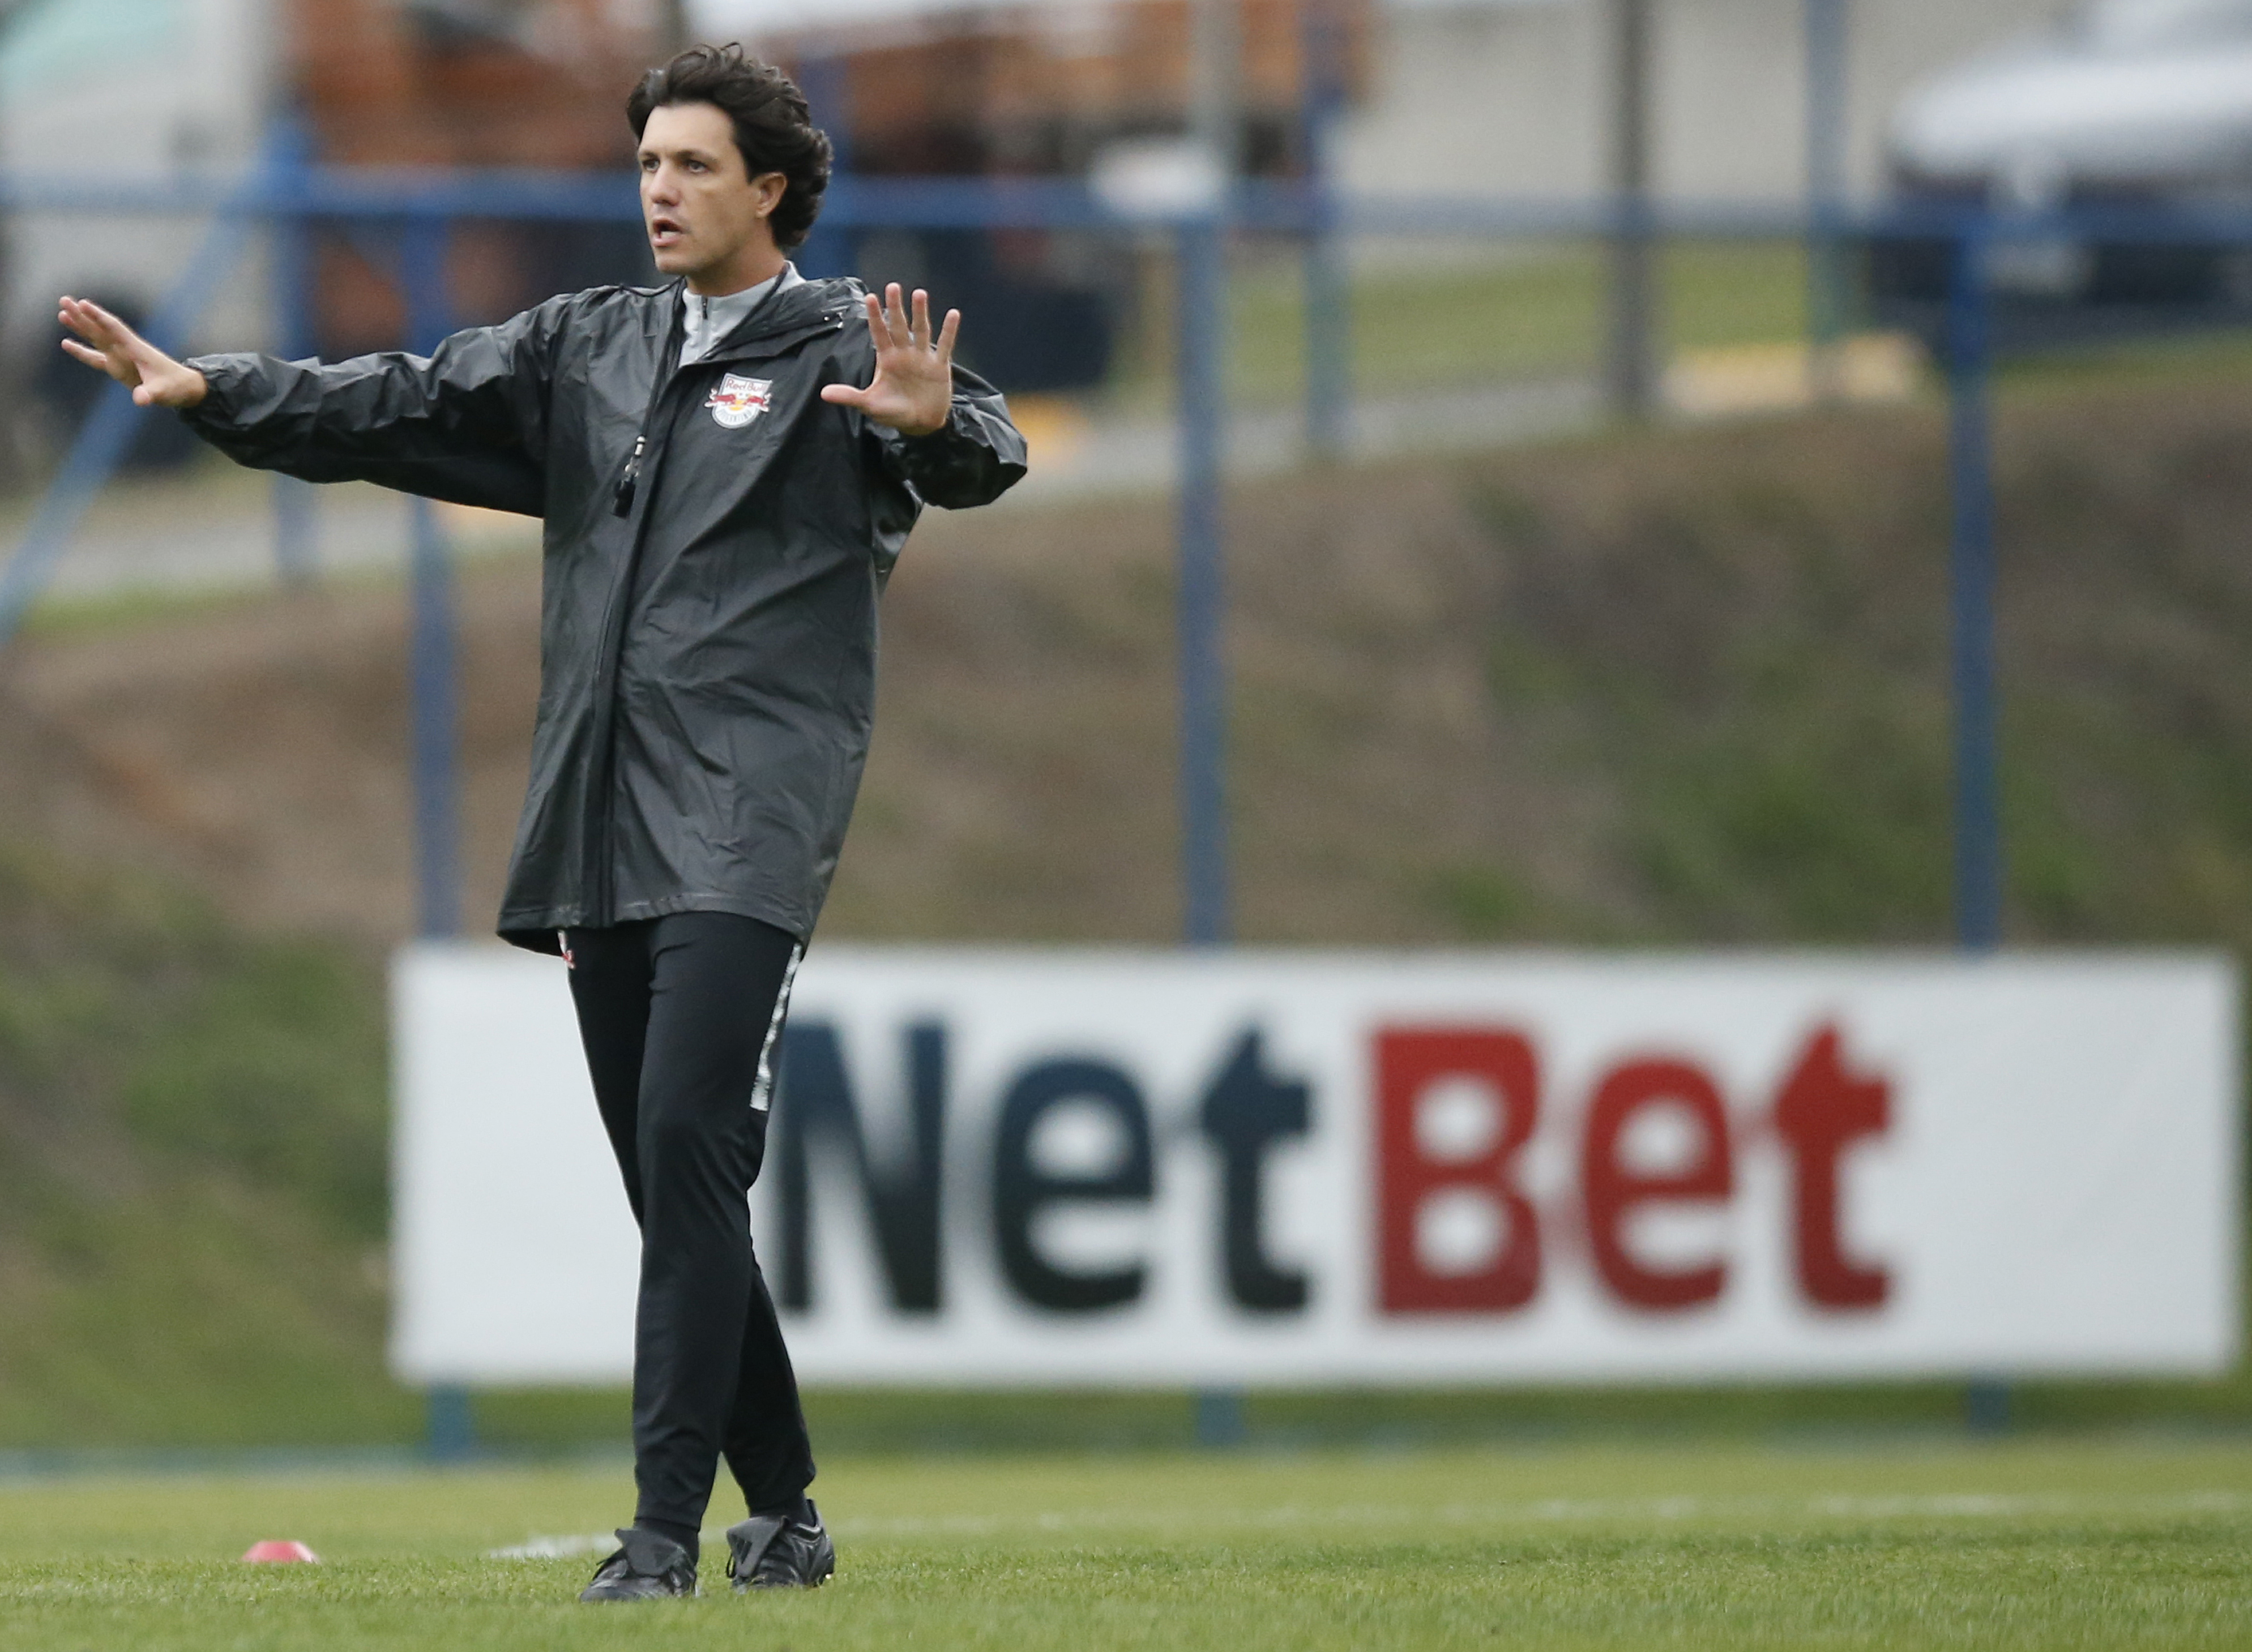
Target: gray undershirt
(710, 320)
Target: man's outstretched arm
(466, 424)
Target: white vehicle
(2143, 104)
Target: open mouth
(663, 232)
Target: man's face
(702, 210)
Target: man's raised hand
(108, 343)
(913, 388)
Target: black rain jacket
(708, 615)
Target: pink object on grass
(280, 1552)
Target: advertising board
(1005, 1166)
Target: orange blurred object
(277, 1552)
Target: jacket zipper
(667, 370)
(614, 618)
(602, 879)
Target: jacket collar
(787, 318)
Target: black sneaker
(648, 1566)
(779, 1552)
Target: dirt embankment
(1684, 685)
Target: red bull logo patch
(737, 400)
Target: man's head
(733, 167)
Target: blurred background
(1596, 421)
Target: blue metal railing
(289, 195)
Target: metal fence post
(832, 248)
(431, 669)
(1200, 368)
(452, 1423)
(431, 672)
(1978, 863)
(423, 266)
(1826, 93)
(291, 279)
(1220, 1421)
(1630, 372)
(1978, 812)
(1328, 277)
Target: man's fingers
(844, 395)
(880, 330)
(103, 331)
(103, 327)
(897, 325)
(121, 368)
(81, 319)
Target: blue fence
(418, 210)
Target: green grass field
(2046, 1544)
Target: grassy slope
(2051, 1545)
(1682, 686)
(191, 1172)
(1754, 651)
(1689, 686)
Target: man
(727, 466)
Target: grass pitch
(2080, 1544)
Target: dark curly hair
(773, 128)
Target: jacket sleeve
(468, 424)
(972, 459)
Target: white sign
(1103, 1167)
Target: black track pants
(680, 1016)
